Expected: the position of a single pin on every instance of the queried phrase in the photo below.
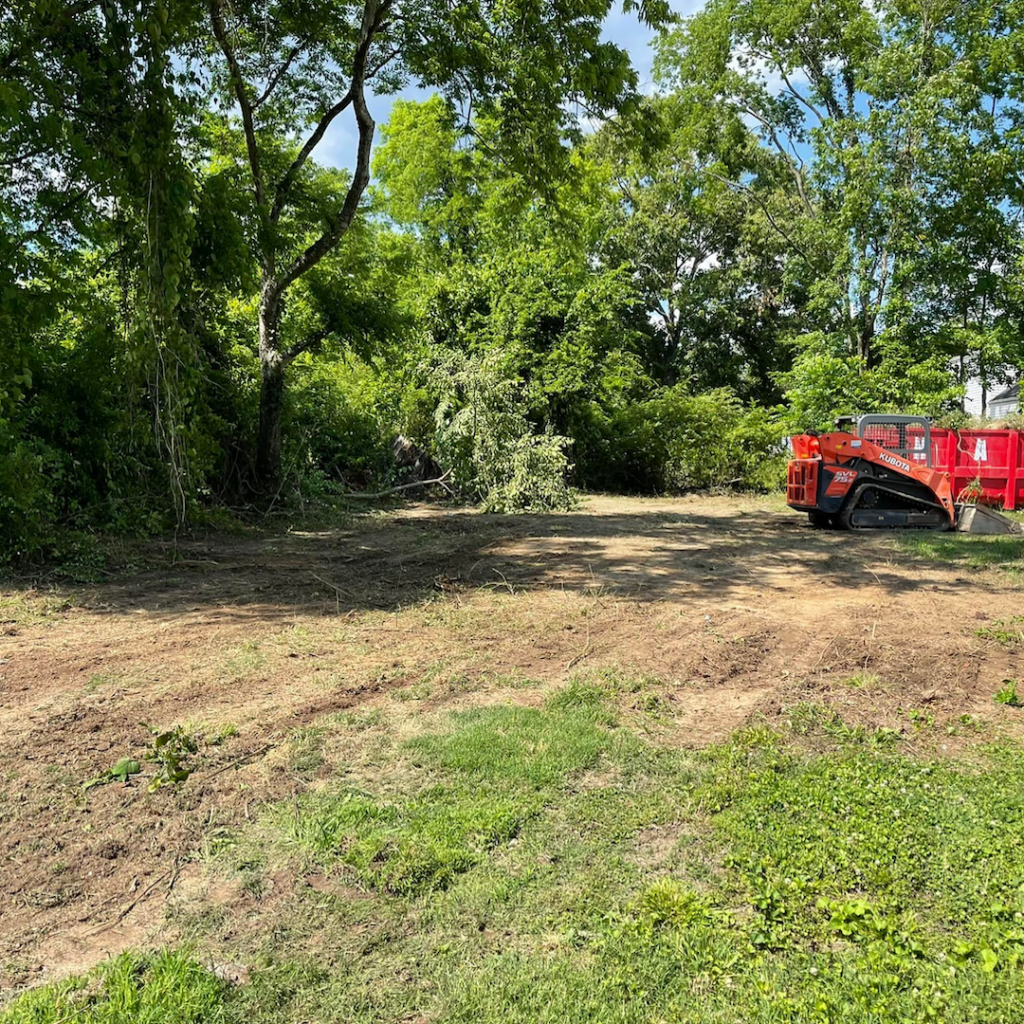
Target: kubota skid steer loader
(880, 477)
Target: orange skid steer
(879, 477)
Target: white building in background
(1002, 400)
(1004, 403)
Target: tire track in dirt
(735, 609)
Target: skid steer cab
(877, 475)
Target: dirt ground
(734, 607)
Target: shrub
(336, 431)
(494, 453)
(676, 442)
(27, 501)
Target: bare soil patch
(731, 609)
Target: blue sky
(338, 146)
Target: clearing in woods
(654, 759)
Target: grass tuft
(164, 988)
(403, 848)
(586, 698)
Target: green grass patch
(516, 746)
(539, 865)
(587, 698)
(164, 988)
(500, 766)
(862, 681)
(1005, 632)
(941, 844)
(244, 659)
(305, 749)
(966, 550)
(404, 848)
(19, 610)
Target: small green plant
(417, 691)
(920, 719)
(514, 680)
(884, 736)
(862, 681)
(667, 903)
(97, 680)
(170, 751)
(245, 659)
(1005, 632)
(973, 492)
(809, 719)
(859, 921)
(216, 737)
(652, 704)
(1007, 694)
(757, 737)
(360, 720)
(306, 749)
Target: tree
(871, 108)
(794, 71)
(708, 268)
(527, 66)
(89, 110)
(515, 280)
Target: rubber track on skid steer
(853, 501)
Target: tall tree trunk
(276, 281)
(272, 367)
(865, 336)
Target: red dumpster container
(943, 450)
(994, 458)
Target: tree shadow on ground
(406, 557)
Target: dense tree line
(539, 276)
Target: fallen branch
(402, 487)
(138, 899)
(582, 654)
(251, 756)
(338, 592)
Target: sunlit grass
(546, 864)
(165, 988)
(966, 550)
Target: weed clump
(170, 987)
(1007, 694)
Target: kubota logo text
(893, 461)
